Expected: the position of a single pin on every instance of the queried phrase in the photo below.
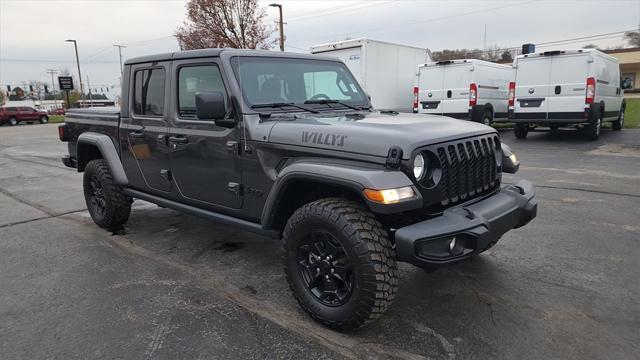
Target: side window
(195, 79)
(148, 92)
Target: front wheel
(44, 119)
(339, 263)
(108, 206)
(521, 130)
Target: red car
(14, 114)
(59, 111)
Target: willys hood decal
(374, 133)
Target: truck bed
(103, 120)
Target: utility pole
(75, 44)
(90, 97)
(53, 86)
(484, 43)
(120, 54)
(281, 25)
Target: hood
(372, 133)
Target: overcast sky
(32, 33)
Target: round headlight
(418, 166)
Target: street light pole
(53, 86)
(75, 44)
(120, 53)
(281, 25)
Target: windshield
(266, 80)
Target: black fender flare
(351, 175)
(104, 144)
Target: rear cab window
(148, 92)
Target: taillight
(591, 91)
(415, 99)
(62, 132)
(512, 93)
(473, 94)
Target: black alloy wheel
(325, 268)
(97, 200)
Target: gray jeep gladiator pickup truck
(287, 145)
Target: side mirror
(210, 105)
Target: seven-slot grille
(469, 168)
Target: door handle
(179, 139)
(136, 134)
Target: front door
(147, 155)
(205, 165)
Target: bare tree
(493, 53)
(224, 23)
(633, 38)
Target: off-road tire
(619, 123)
(370, 252)
(521, 130)
(117, 204)
(592, 130)
(13, 121)
(44, 119)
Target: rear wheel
(521, 130)
(13, 121)
(592, 131)
(108, 206)
(619, 123)
(487, 118)
(339, 262)
(44, 119)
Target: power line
(422, 21)
(342, 9)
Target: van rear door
(457, 79)
(567, 85)
(532, 87)
(430, 93)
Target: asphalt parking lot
(174, 286)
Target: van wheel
(108, 206)
(339, 263)
(592, 131)
(44, 119)
(619, 124)
(13, 121)
(487, 118)
(521, 130)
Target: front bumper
(475, 227)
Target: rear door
(146, 130)
(532, 87)
(567, 85)
(430, 89)
(457, 78)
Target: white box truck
(561, 88)
(386, 71)
(464, 89)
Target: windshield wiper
(282, 105)
(331, 101)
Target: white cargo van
(464, 89)
(561, 88)
(386, 71)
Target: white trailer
(464, 89)
(386, 71)
(565, 88)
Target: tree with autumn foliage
(224, 23)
